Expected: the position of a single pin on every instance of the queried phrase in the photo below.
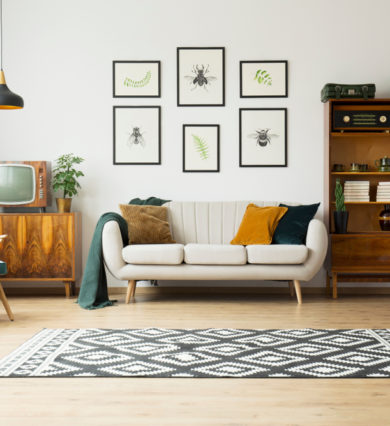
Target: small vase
(340, 221)
(384, 218)
(63, 205)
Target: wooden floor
(231, 402)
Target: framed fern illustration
(263, 79)
(201, 148)
(136, 79)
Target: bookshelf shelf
(362, 134)
(361, 173)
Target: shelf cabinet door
(360, 253)
(40, 246)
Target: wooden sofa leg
(298, 291)
(3, 298)
(291, 286)
(132, 284)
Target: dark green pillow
(292, 228)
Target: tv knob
(346, 118)
(383, 119)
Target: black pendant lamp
(8, 99)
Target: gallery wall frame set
(263, 79)
(137, 135)
(136, 79)
(263, 137)
(201, 148)
(200, 76)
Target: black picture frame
(114, 89)
(120, 163)
(217, 170)
(241, 111)
(284, 95)
(179, 103)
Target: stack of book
(383, 191)
(356, 190)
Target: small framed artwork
(136, 79)
(201, 148)
(263, 137)
(263, 79)
(137, 134)
(200, 76)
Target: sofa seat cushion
(153, 254)
(281, 254)
(214, 254)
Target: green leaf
(201, 147)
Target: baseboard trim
(217, 291)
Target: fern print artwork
(201, 147)
(128, 82)
(263, 77)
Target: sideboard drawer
(360, 252)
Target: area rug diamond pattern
(157, 352)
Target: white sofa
(203, 231)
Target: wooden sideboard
(42, 247)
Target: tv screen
(17, 184)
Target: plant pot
(340, 221)
(63, 205)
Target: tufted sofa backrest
(214, 222)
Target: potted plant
(341, 214)
(65, 178)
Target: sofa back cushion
(214, 222)
(147, 224)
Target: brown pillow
(147, 224)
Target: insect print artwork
(263, 138)
(200, 77)
(136, 138)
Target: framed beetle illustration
(263, 137)
(200, 76)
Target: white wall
(58, 55)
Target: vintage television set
(24, 184)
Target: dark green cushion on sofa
(292, 228)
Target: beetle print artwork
(200, 77)
(263, 137)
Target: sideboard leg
(73, 288)
(130, 290)
(291, 286)
(327, 284)
(297, 286)
(334, 287)
(68, 289)
(7, 308)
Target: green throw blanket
(93, 291)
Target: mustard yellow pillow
(258, 225)
(147, 224)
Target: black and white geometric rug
(156, 352)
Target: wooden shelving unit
(364, 252)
